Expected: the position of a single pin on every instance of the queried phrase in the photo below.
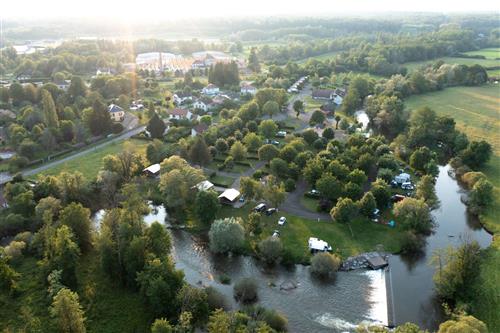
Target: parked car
(314, 192)
(260, 207)
(394, 184)
(282, 220)
(241, 199)
(397, 197)
(407, 186)
(270, 211)
(281, 134)
(276, 233)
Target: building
(63, 85)
(248, 89)
(179, 114)
(152, 170)
(103, 71)
(200, 106)
(229, 196)
(116, 113)
(324, 94)
(211, 89)
(199, 129)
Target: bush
(215, 299)
(224, 279)
(226, 235)
(289, 185)
(15, 249)
(276, 320)
(245, 290)
(411, 243)
(324, 264)
(270, 250)
(117, 128)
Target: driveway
(130, 121)
(293, 205)
(49, 165)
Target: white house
(200, 105)
(180, 114)
(116, 113)
(199, 129)
(211, 89)
(63, 85)
(248, 89)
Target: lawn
(321, 57)
(486, 63)
(365, 235)
(489, 53)
(311, 104)
(90, 163)
(223, 181)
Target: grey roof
(322, 93)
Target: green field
(90, 163)
(490, 53)
(321, 57)
(486, 63)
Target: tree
(329, 187)
(226, 235)
(275, 193)
(62, 253)
(381, 192)
(49, 109)
(268, 152)
(463, 324)
(270, 249)
(268, 128)
(313, 170)
(328, 133)
(68, 313)
(194, 301)
(426, 191)
(250, 188)
(126, 163)
(271, 108)
(158, 240)
(16, 92)
(337, 120)
(298, 107)
(414, 214)
(344, 211)
(219, 322)
(477, 154)
(367, 205)
(324, 264)
(199, 153)
(252, 141)
(481, 196)
(161, 326)
(206, 206)
(77, 218)
(67, 130)
(8, 276)
(317, 118)
(253, 61)
(248, 111)
(456, 269)
(159, 283)
(77, 88)
(278, 167)
(156, 127)
(421, 158)
(357, 176)
(221, 145)
(310, 136)
(156, 151)
(238, 151)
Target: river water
(404, 293)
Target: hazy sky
(171, 9)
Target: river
(404, 293)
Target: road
(43, 167)
(293, 205)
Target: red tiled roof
(179, 112)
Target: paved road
(49, 165)
(293, 205)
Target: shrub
(15, 249)
(226, 235)
(411, 243)
(117, 128)
(289, 185)
(215, 299)
(276, 320)
(245, 290)
(224, 279)
(324, 264)
(270, 250)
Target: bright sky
(171, 9)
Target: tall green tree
(156, 127)
(67, 312)
(199, 153)
(344, 211)
(77, 218)
(49, 109)
(253, 61)
(207, 206)
(271, 108)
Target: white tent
(204, 185)
(152, 169)
(230, 195)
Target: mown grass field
(365, 235)
(321, 57)
(489, 53)
(486, 63)
(477, 112)
(90, 163)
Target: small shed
(376, 262)
(402, 178)
(152, 170)
(229, 196)
(204, 185)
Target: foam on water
(377, 297)
(330, 321)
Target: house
(200, 106)
(181, 98)
(64, 85)
(116, 113)
(179, 114)
(402, 178)
(204, 186)
(229, 196)
(211, 89)
(248, 89)
(198, 64)
(199, 129)
(318, 245)
(103, 71)
(325, 94)
(152, 170)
